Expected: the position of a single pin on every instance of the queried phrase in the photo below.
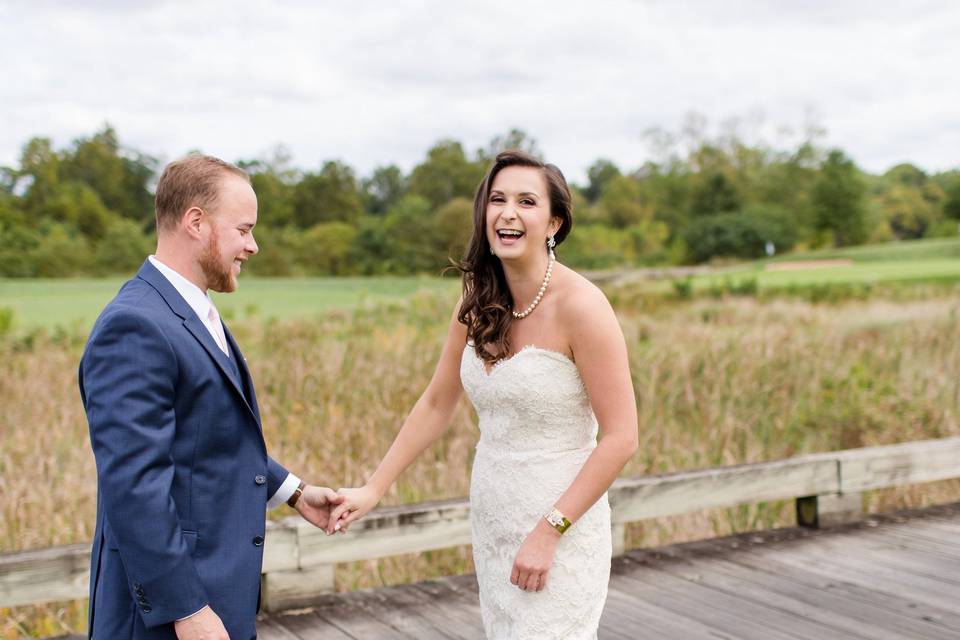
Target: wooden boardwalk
(889, 577)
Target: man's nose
(252, 247)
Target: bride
(540, 354)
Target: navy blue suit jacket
(182, 469)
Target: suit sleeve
(276, 476)
(128, 378)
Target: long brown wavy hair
(487, 302)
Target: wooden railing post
(619, 534)
(296, 588)
(830, 510)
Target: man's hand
(315, 504)
(203, 625)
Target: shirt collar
(199, 301)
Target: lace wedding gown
(536, 430)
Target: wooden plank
(632, 617)
(914, 541)
(274, 629)
(727, 614)
(45, 575)
(835, 568)
(407, 608)
(867, 600)
(854, 617)
(869, 551)
(655, 496)
(896, 465)
(389, 532)
(833, 625)
(384, 605)
(339, 618)
(461, 606)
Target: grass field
(718, 381)
(866, 272)
(75, 303)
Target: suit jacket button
(146, 608)
(258, 541)
(260, 479)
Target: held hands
(535, 557)
(356, 503)
(203, 625)
(316, 503)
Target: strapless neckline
(529, 348)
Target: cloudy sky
(372, 83)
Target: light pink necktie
(218, 333)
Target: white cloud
(373, 83)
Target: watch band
(292, 500)
(557, 520)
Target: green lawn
(934, 270)
(903, 250)
(77, 302)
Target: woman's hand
(357, 502)
(535, 557)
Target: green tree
(600, 173)
(120, 177)
(61, 253)
(455, 225)
(445, 174)
(328, 196)
(383, 189)
(76, 204)
(18, 240)
(621, 203)
(327, 248)
(742, 234)
(40, 171)
(597, 246)
(273, 179)
(280, 251)
(515, 139)
(123, 248)
(837, 198)
(713, 193)
(951, 200)
(415, 241)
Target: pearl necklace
(543, 287)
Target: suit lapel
(245, 377)
(199, 331)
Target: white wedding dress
(536, 431)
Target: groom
(183, 473)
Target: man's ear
(190, 222)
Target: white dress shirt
(201, 304)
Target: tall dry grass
(718, 382)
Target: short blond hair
(192, 181)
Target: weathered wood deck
(890, 576)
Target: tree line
(87, 208)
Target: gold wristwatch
(557, 520)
